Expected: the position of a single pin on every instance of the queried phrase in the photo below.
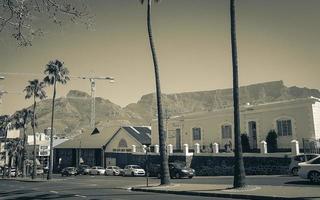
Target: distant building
(292, 119)
(91, 148)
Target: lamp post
(147, 164)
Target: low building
(293, 119)
(91, 148)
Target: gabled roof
(141, 133)
(88, 140)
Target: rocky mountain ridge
(73, 111)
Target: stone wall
(211, 165)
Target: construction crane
(92, 80)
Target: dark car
(153, 170)
(83, 169)
(69, 171)
(179, 170)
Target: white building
(292, 119)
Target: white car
(97, 170)
(133, 170)
(113, 170)
(295, 160)
(310, 170)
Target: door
(178, 138)
(253, 134)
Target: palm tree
(14, 148)
(55, 72)
(239, 173)
(20, 120)
(35, 89)
(165, 178)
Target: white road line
(78, 195)
(55, 192)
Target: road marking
(55, 192)
(78, 195)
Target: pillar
(134, 149)
(263, 147)
(156, 148)
(215, 148)
(170, 149)
(196, 148)
(186, 149)
(295, 147)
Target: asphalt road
(117, 188)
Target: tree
(34, 90)
(55, 72)
(272, 144)
(245, 142)
(239, 173)
(14, 148)
(4, 123)
(21, 18)
(165, 177)
(20, 120)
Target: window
(316, 161)
(284, 127)
(123, 143)
(196, 133)
(226, 131)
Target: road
(110, 187)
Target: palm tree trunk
(9, 166)
(34, 139)
(239, 172)
(24, 151)
(165, 179)
(51, 134)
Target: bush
(245, 142)
(272, 144)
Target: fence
(311, 145)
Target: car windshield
(136, 167)
(178, 165)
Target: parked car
(154, 170)
(96, 170)
(113, 170)
(39, 171)
(84, 169)
(310, 170)
(295, 160)
(13, 172)
(69, 171)
(133, 170)
(179, 170)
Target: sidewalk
(250, 192)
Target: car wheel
(132, 174)
(314, 177)
(98, 173)
(190, 177)
(177, 175)
(114, 174)
(294, 171)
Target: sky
(277, 40)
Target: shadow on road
(301, 182)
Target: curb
(222, 195)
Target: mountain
(73, 111)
